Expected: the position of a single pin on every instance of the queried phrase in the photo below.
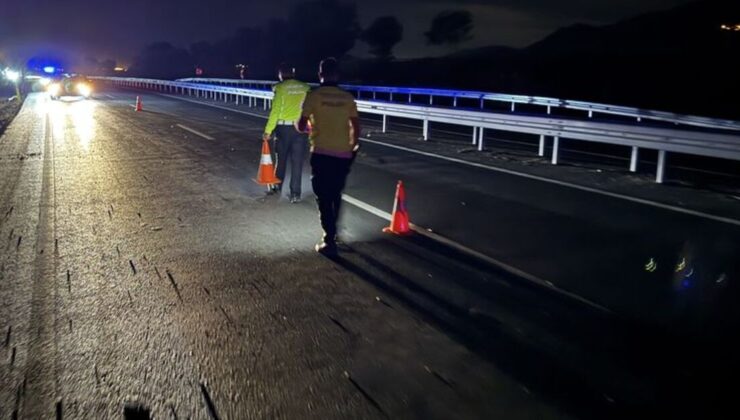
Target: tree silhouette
(312, 30)
(450, 27)
(382, 35)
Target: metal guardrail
(664, 140)
(549, 103)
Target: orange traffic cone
(266, 173)
(400, 217)
(139, 104)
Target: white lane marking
(565, 184)
(646, 202)
(473, 253)
(109, 96)
(196, 132)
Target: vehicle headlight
(84, 89)
(53, 89)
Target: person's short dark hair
(329, 68)
(286, 69)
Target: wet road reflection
(71, 120)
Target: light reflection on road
(77, 115)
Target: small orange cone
(139, 104)
(400, 217)
(266, 173)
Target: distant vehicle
(74, 85)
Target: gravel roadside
(8, 111)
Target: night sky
(118, 29)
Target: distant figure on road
(290, 145)
(334, 130)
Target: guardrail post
(426, 129)
(555, 147)
(633, 159)
(482, 103)
(409, 98)
(480, 139)
(513, 106)
(237, 99)
(541, 152)
(431, 100)
(475, 135)
(391, 98)
(454, 101)
(548, 110)
(264, 104)
(385, 122)
(590, 113)
(660, 173)
(374, 95)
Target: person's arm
(304, 123)
(274, 112)
(354, 122)
(355, 130)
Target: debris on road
(209, 402)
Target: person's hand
(266, 137)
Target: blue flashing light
(49, 69)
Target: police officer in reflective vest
(290, 145)
(331, 114)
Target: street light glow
(49, 69)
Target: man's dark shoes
(328, 249)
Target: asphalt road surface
(144, 273)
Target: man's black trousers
(290, 147)
(328, 176)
